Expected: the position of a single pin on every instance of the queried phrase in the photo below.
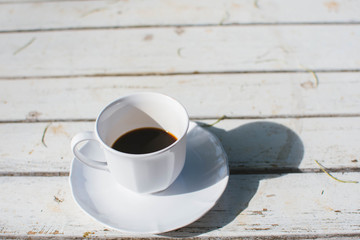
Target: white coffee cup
(141, 173)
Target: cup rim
(131, 155)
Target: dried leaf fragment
(43, 136)
(217, 121)
(323, 169)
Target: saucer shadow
(256, 151)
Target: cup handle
(82, 137)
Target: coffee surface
(144, 140)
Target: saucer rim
(223, 182)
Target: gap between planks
(148, 74)
(336, 236)
(280, 171)
(245, 117)
(45, 1)
(62, 29)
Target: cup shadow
(205, 165)
(255, 151)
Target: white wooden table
(285, 73)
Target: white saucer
(195, 191)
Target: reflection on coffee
(144, 140)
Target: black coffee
(144, 140)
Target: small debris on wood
(148, 37)
(58, 200)
(323, 169)
(86, 234)
(43, 136)
(312, 85)
(55, 232)
(25, 46)
(307, 85)
(225, 18)
(31, 233)
(179, 52)
(332, 6)
(217, 121)
(33, 116)
(179, 30)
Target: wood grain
(276, 145)
(50, 15)
(285, 73)
(164, 51)
(252, 206)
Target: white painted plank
(252, 145)
(290, 143)
(39, 1)
(85, 14)
(26, 150)
(233, 95)
(252, 205)
(164, 50)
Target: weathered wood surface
(285, 73)
(49, 15)
(287, 145)
(233, 95)
(166, 51)
(253, 205)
